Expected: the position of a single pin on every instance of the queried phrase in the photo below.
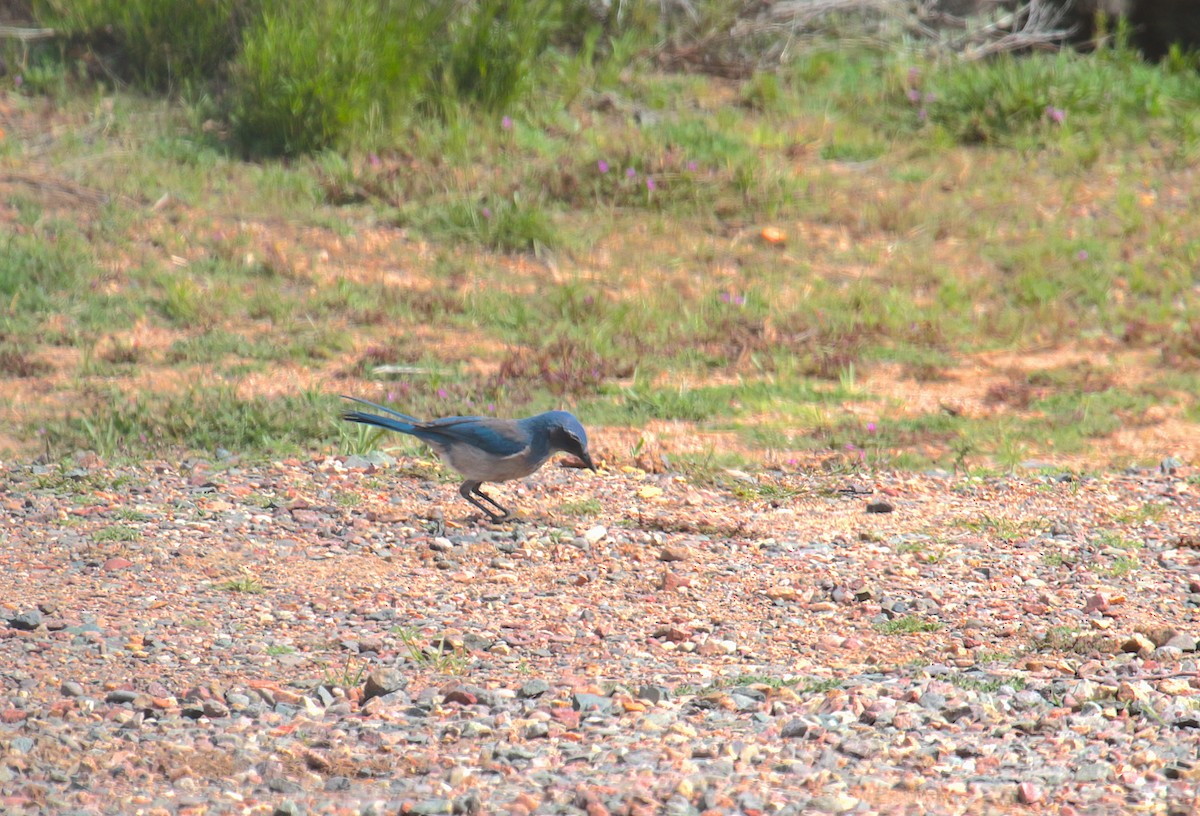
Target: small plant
(1054, 558)
(280, 649)
(907, 625)
(246, 582)
(988, 684)
(117, 532)
(453, 661)
(348, 675)
(581, 507)
(1123, 565)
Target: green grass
(907, 625)
(117, 532)
(597, 244)
(246, 583)
(583, 508)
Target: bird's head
(568, 436)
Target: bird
(487, 449)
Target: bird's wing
(383, 408)
(499, 437)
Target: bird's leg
(470, 489)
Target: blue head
(566, 434)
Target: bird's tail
(383, 408)
(378, 421)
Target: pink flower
(602, 166)
(914, 95)
(630, 173)
(650, 185)
(442, 393)
(1056, 115)
(870, 427)
(506, 123)
(691, 166)
(373, 160)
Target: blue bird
(484, 449)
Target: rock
(673, 553)
(1183, 642)
(1093, 772)
(383, 681)
(793, 729)
(533, 688)
(70, 688)
(116, 563)
(1029, 794)
(595, 534)
(1137, 643)
(879, 507)
(27, 621)
(653, 694)
(590, 703)
(833, 803)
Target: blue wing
(499, 437)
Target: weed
(347, 676)
(453, 661)
(581, 507)
(907, 625)
(280, 649)
(985, 684)
(246, 583)
(117, 532)
(1123, 565)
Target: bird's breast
(475, 464)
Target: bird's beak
(587, 460)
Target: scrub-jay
(488, 450)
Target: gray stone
(793, 728)
(1093, 772)
(533, 688)
(383, 681)
(27, 621)
(591, 703)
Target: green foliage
(302, 83)
(492, 49)
(907, 625)
(201, 419)
(158, 44)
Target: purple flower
(506, 123)
(486, 212)
(921, 114)
(1056, 115)
(870, 427)
(725, 297)
(929, 97)
(1082, 255)
(373, 160)
(650, 185)
(442, 393)
(602, 166)
(18, 80)
(491, 408)
(914, 95)
(391, 397)
(631, 173)
(914, 74)
(691, 166)
(740, 300)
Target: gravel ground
(340, 636)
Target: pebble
(26, 621)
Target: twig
(27, 34)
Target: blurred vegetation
(930, 207)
